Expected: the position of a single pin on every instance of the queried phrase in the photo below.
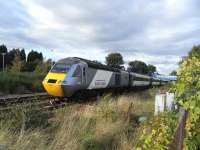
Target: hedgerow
(159, 132)
(187, 90)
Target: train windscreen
(60, 68)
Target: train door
(117, 79)
(84, 76)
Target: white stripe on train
(140, 83)
(101, 79)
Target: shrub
(20, 82)
(187, 90)
(158, 132)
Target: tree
(3, 49)
(43, 67)
(17, 63)
(151, 69)
(173, 73)
(11, 56)
(114, 60)
(34, 55)
(195, 52)
(138, 67)
(23, 55)
(33, 59)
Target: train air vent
(52, 81)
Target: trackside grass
(110, 123)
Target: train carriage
(139, 80)
(155, 82)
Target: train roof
(97, 65)
(92, 64)
(140, 75)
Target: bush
(20, 82)
(158, 132)
(187, 90)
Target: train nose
(53, 84)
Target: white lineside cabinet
(170, 101)
(159, 103)
(164, 102)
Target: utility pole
(3, 54)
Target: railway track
(25, 98)
(43, 101)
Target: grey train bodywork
(88, 75)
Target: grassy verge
(111, 123)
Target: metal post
(3, 54)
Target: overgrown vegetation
(20, 82)
(14, 79)
(111, 123)
(159, 132)
(188, 96)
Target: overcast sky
(158, 32)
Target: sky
(158, 32)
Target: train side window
(77, 72)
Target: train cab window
(60, 68)
(77, 72)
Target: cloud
(157, 31)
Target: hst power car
(71, 75)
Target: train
(73, 75)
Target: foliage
(33, 59)
(30, 64)
(17, 64)
(3, 49)
(187, 90)
(158, 132)
(12, 82)
(195, 52)
(138, 67)
(43, 67)
(114, 60)
(173, 73)
(151, 69)
(34, 55)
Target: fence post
(177, 143)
